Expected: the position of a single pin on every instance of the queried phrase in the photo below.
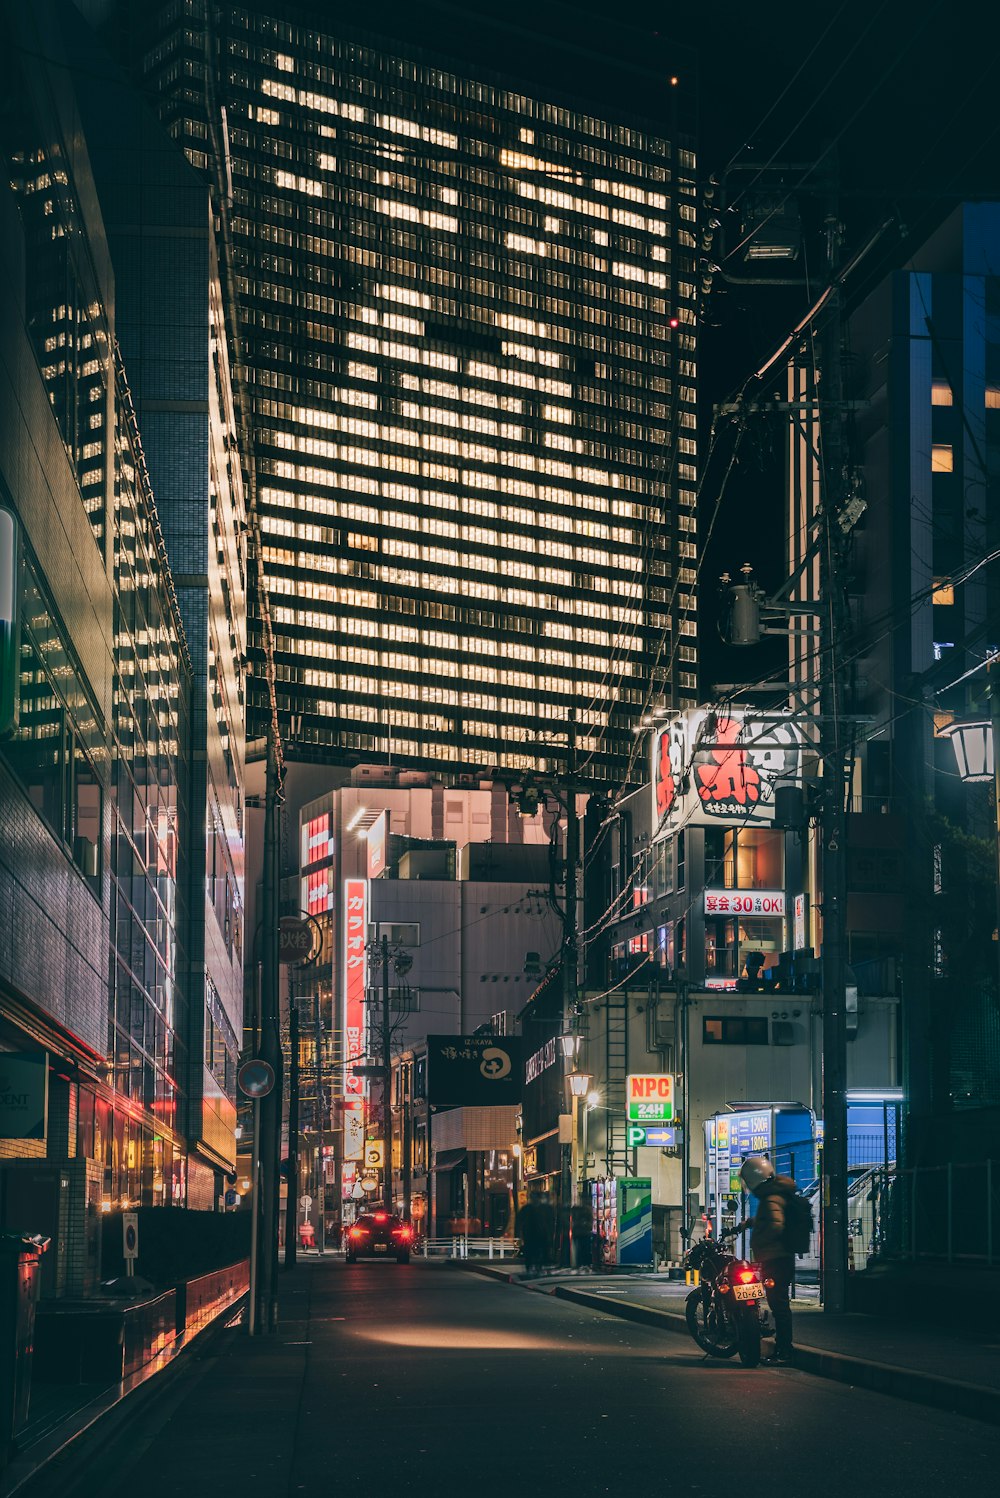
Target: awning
(448, 1159)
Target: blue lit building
(924, 354)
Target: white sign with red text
(744, 902)
(649, 1098)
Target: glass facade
(468, 322)
(65, 317)
(147, 1019)
(92, 771)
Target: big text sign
(650, 1099)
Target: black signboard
(544, 1069)
(473, 1071)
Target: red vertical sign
(355, 926)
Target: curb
(503, 1275)
(952, 1395)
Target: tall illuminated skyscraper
(469, 341)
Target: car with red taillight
(378, 1235)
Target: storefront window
(744, 858)
(743, 946)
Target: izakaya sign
(721, 765)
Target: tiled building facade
(470, 345)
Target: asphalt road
(425, 1380)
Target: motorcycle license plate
(748, 1292)
(381, 1248)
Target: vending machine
(623, 1222)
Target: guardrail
(462, 1246)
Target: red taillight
(746, 1276)
(404, 1233)
(357, 1233)
(381, 1217)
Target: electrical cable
(830, 80)
(792, 80)
(911, 39)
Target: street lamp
(972, 741)
(579, 1086)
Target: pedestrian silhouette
(535, 1227)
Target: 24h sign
(650, 1099)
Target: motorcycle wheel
(748, 1336)
(711, 1337)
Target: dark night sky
(904, 92)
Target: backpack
(798, 1224)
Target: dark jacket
(767, 1239)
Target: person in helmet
(768, 1246)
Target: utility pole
(292, 1196)
(319, 1114)
(406, 1136)
(681, 1031)
(570, 952)
(832, 822)
(839, 510)
(386, 1082)
(266, 1317)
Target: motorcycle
(723, 1313)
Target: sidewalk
(925, 1366)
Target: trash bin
(19, 1272)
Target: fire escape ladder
(616, 1069)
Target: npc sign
(649, 1099)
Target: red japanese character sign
(717, 765)
(724, 776)
(668, 766)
